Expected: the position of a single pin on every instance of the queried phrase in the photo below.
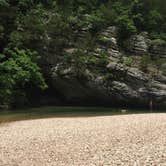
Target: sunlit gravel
(129, 140)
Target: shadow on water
(53, 112)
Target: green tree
(18, 70)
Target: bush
(4, 3)
(128, 61)
(158, 42)
(126, 26)
(18, 70)
(156, 35)
(145, 62)
(153, 20)
(160, 65)
(163, 68)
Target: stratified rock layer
(118, 84)
(138, 44)
(158, 51)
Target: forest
(31, 30)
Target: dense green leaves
(53, 22)
(4, 3)
(17, 70)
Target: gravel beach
(129, 140)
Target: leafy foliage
(145, 62)
(18, 70)
(128, 61)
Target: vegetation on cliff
(39, 27)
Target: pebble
(129, 140)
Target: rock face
(137, 87)
(77, 90)
(158, 51)
(141, 45)
(108, 41)
(138, 44)
(118, 85)
(126, 87)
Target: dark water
(50, 112)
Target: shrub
(126, 26)
(160, 65)
(18, 71)
(128, 61)
(145, 61)
(158, 42)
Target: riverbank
(68, 111)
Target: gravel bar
(129, 140)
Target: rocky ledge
(119, 84)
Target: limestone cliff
(123, 81)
